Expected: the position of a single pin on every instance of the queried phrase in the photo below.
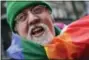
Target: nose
(33, 19)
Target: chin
(40, 34)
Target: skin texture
(32, 17)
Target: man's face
(35, 23)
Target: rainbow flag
(71, 44)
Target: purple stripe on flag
(15, 50)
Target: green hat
(15, 7)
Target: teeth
(37, 29)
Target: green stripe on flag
(33, 51)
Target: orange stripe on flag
(60, 48)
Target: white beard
(46, 38)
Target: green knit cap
(15, 7)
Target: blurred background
(63, 11)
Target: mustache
(34, 26)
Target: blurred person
(87, 7)
(34, 35)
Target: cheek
(22, 29)
(48, 21)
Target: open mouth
(37, 31)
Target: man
(34, 23)
(34, 35)
(31, 20)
